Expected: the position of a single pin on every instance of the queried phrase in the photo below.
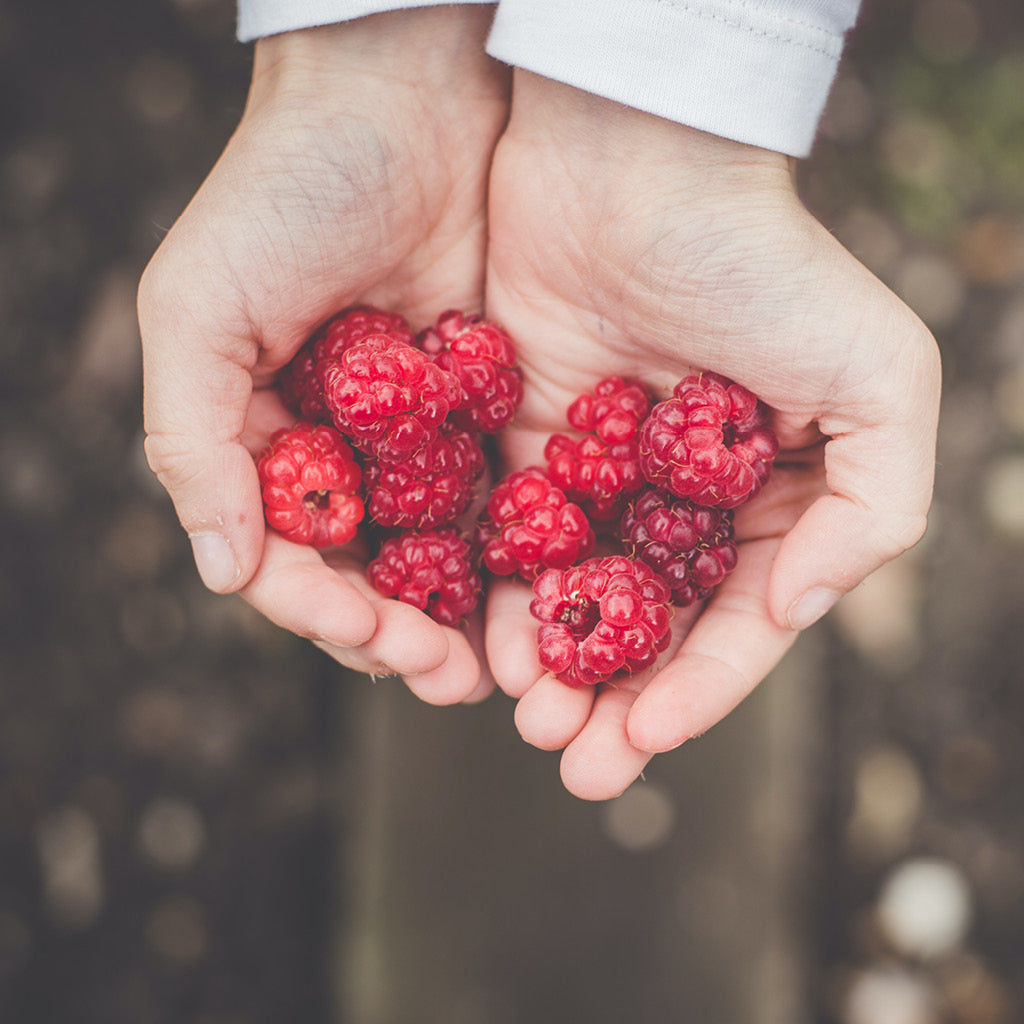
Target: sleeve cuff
(259, 18)
(755, 72)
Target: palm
(602, 264)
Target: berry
(601, 469)
(301, 380)
(600, 617)
(709, 442)
(432, 487)
(611, 410)
(389, 397)
(433, 570)
(482, 357)
(530, 526)
(309, 480)
(691, 548)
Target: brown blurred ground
(202, 822)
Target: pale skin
(613, 242)
(357, 174)
(625, 244)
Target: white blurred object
(924, 908)
(889, 996)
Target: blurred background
(203, 821)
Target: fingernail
(809, 607)
(215, 560)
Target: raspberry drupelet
(432, 487)
(481, 355)
(529, 525)
(598, 618)
(389, 397)
(709, 442)
(301, 380)
(309, 480)
(433, 570)
(601, 469)
(690, 547)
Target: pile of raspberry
(630, 514)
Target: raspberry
(432, 570)
(481, 355)
(709, 442)
(389, 397)
(611, 410)
(530, 526)
(433, 487)
(600, 617)
(691, 548)
(601, 469)
(309, 481)
(301, 380)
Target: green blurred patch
(953, 140)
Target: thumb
(197, 388)
(879, 468)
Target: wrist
(436, 50)
(625, 144)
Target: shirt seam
(681, 5)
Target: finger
(454, 680)
(550, 714)
(298, 591)
(406, 642)
(731, 648)
(601, 762)
(511, 637)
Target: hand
(625, 244)
(357, 174)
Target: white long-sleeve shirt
(757, 71)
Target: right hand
(624, 244)
(357, 174)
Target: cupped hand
(624, 244)
(358, 173)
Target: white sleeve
(757, 71)
(258, 18)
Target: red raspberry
(600, 617)
(691, 548)
(301, 380)
(709, 442)
(530, 526)
(389, 397)
(433, 487)
(481, 355)
(601, 469)
(432, 570)
(309, 481)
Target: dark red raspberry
(611, 410)
(432, 487)
(432, 570)
(481, 355)
(301, 380)
(530, 526)
(389, 397)
(690, 547)
(600, 617)
(709, 442)
(309, 481)
(601, 470)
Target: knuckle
(168, 460)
